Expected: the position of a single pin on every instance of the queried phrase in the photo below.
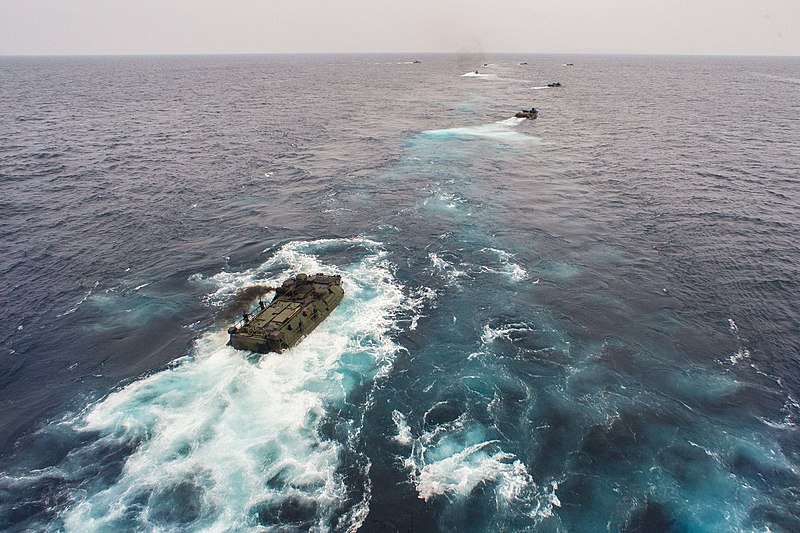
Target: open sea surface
(586, 322)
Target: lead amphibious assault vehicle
(299, 306)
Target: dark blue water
(584, 322)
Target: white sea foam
(445, 268)
(454, 458)
(417, 300)
(742, 353)
(403, 430)
(546, 502)
(502, 130)
(490, 334)
(791, 411)
(82, 300)
(705, 450)
(451, 200)
(459, 473)
(231, 436)
(474, 74)
(508, 266)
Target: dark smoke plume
(244, 299)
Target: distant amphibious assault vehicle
(531, 113)
(299, 306)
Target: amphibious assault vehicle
(529, 114)
(299, 306)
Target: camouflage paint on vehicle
(299, 306)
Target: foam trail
(77, 305)
(224, 443)
(503, 130)
(478, 75)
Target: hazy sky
(758, 27)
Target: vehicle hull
(299, 306)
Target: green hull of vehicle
(299, 306)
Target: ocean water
(585, 322)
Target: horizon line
(206, 54)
